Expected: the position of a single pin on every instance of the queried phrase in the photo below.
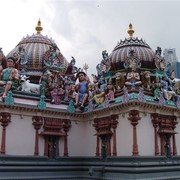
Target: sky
(83, 29)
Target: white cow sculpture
(27, 86)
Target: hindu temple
(58, 123)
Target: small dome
(141, 49)
(36, 46)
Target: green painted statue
(9, 77)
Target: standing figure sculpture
(110, 90)
(9, 77)
(82, 90)
(22, 56)
(156, 86)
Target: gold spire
(38, 27)
(130, 30)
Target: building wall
(177, 68)
(81, 139)
(20, 138)
(124, 136)
(145, 135)
(20, 135)
(41, 144)
(170, 56)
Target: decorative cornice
(114, 109)
(103, 125)
(165, 123)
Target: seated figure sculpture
(9, 77)
(132, 64)
(133, 78)
(98, 95)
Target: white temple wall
(145, 135)
(124, 136)
(81, 139)
(61, 146)
(41, 142)
(90, 143)
(20, 136)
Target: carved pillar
(167, 126)
(114, 126)
(103, 127)
(96, 125)
(46, 146)
(97, 146)
(155, 122)
(37, 123)
(134, 118)
(5, 120)
(109, 146)
(174, 138)
(162, 145)
(66, 127)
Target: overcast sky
(84, 28)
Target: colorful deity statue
(167, 88)
(90, 91)
(159, 60)
(72, 63)
(67, 84)
(105, 55)
(119, 81)
(172, 79)
(22, 55)
(110, 90)
(2, 60)
(177, 88)
(132, 64)
(146, 80)
(72, 92)
(54, 60)
(156, 86)
(82, 90)
(57, 95)
(133, 78)
(98, 95)
(9, 77)
(46, 82)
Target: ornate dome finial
(130, 30)
(38, 27)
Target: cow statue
(27, 86)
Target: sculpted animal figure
(27, 86)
